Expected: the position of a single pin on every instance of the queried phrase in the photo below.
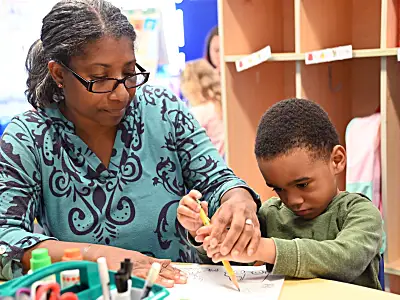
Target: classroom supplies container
(89, 287)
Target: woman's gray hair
(66, 30)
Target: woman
(200, 84)
(102, 163)
(213, 48)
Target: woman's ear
(338, 159)
(57, 72)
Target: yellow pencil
(227, 265)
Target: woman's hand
(188, 212)
(142, 264)
(238, 212)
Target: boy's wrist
(266, 251)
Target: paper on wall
(253, 59)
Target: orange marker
(227, 265)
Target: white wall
(20, 24)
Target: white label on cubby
(330, 54)
(253, 59)
(398, 54)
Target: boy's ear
(338, 159)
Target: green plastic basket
(89, 287)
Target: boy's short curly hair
(295, 123)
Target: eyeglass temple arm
(141, 69)
(85, 82)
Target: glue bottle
(41, 259)
(70, 277)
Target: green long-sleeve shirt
(340, 244)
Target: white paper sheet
(212, 282)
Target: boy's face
(305, 184)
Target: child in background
(212, 48)
(200, 85)
(313, 229)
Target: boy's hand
(188, 212)
(266, 252)
(203, 236)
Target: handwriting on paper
(213, 282)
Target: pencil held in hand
(227, 265)
(203, 216)
(231, 273)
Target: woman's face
(214, 52)
(105, 58)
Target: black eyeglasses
(107, 85)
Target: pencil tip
(235, 282)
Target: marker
(104, 277)
(35, 286)
(127, 267)
(23, 294)
(227, 265)
(123, 286)
(151, 278)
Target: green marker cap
(40, 259)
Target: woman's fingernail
(250, 252)
(183, 274)
(235, 252)
(224, 251)
(177, 276)
(183, 278)
(169, 281)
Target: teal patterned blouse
(47, 172)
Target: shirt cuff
(192, 241)
(287, 258)
(253, 194)
(11, 255)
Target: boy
(312, 229)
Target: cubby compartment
(345, 89)
(332, 23)
(244, 20)
(391, 170)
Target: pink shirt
(363, 173)
(208, 117)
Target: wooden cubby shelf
(363, 53)
(346, 89)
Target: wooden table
(317, 289)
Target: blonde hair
(200, 83)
